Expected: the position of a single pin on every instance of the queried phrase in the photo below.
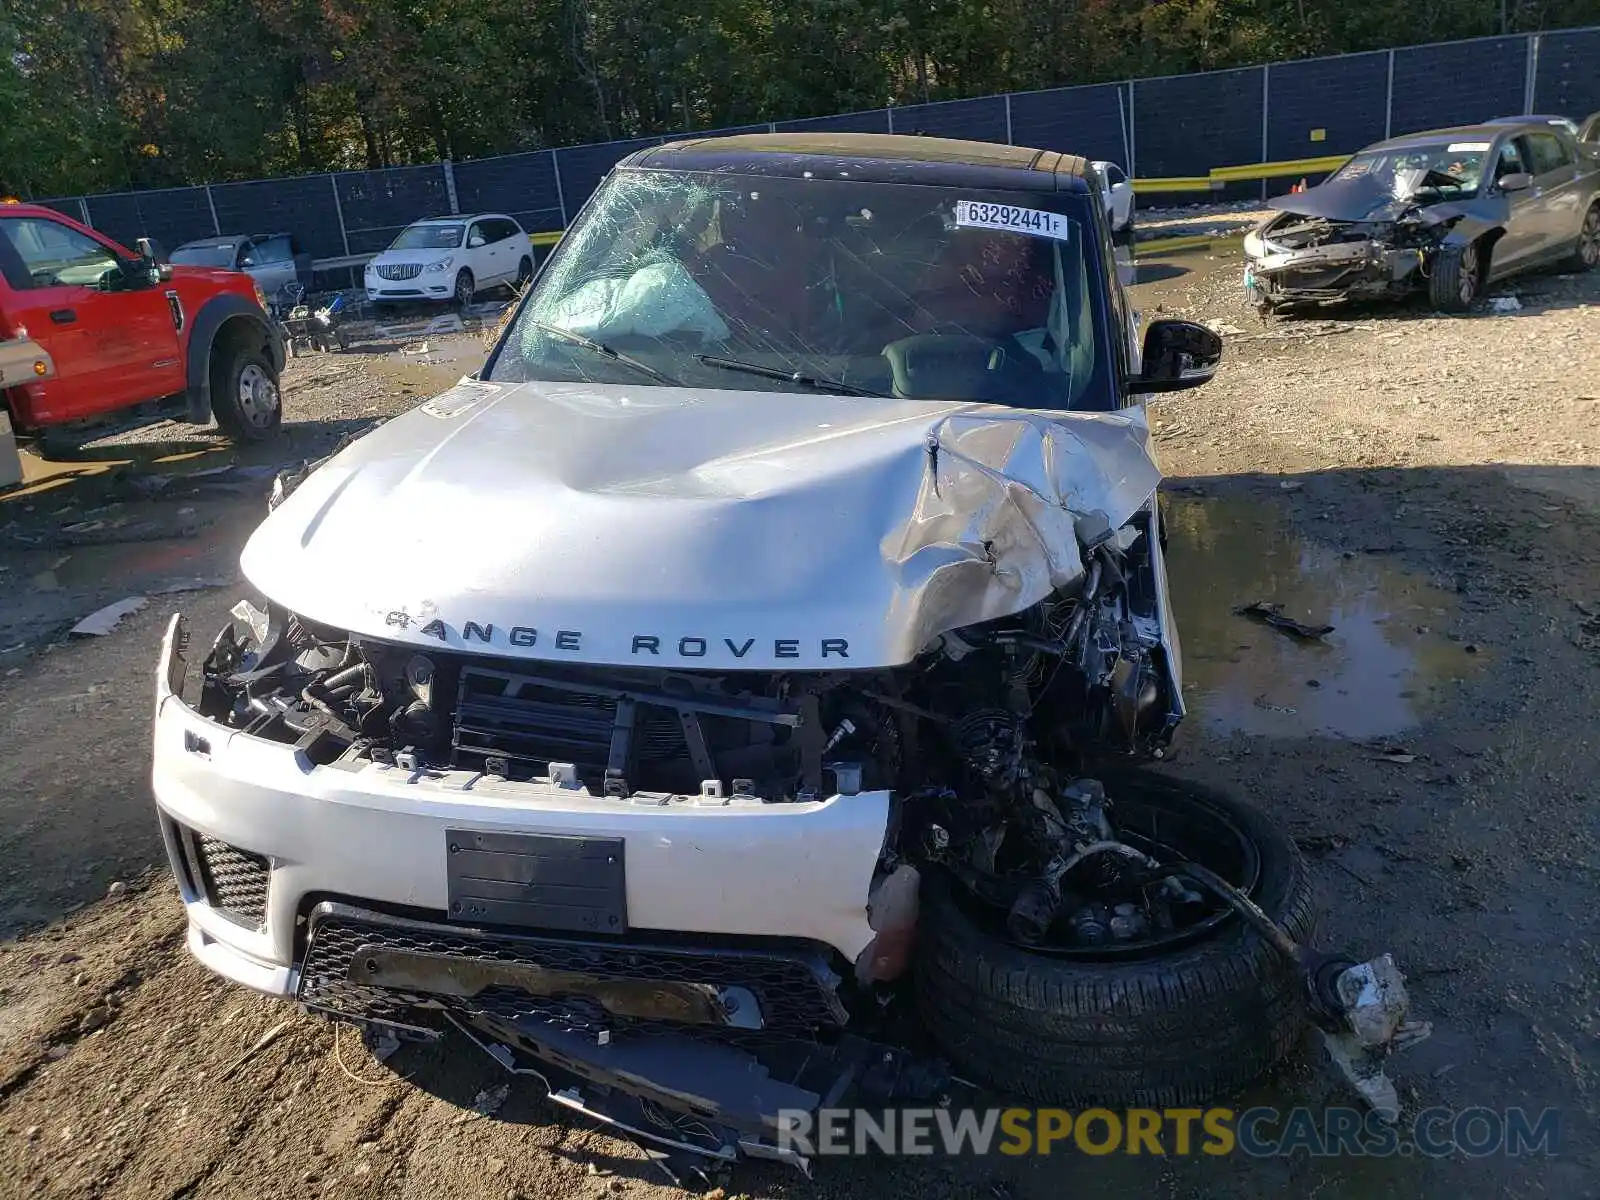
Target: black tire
(1457, 278)
(524, 275)
(462, 299)
(1586, 254)
(1177, 1028)
(245, 396)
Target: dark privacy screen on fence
(520, 185)
(305, 206)
(1091, 121)
(1174, 126)
(1460, 83)
(1567, 73)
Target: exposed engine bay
(1297, 258)
(984, 739)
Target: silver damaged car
(1443, 214)
(751, 663)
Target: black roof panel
(873, 158)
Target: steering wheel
(961, 366)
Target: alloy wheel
(1468, 277)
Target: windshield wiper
(815, 383)
(588, 343)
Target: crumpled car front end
(1294, 258)
(685, 804)
(1375, 228)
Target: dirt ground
(1427, 485)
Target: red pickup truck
(131, 337)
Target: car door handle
(64, 316)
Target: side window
(478, 235)
(1549, 154)
(273, 250)
(508, 229)
(1114, 175)
(53, 255)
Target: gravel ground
(1427, 485)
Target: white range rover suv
(451, 259)
(748, 657)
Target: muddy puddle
(1387, 660)
(431, 365)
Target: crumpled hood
(1361, 199)
(680, 527)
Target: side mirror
(1514, 182)
(134, 275)
(476, 240)
(1178, 355)
(151, 249)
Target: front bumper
(1326, 272)
(376, 835)
(429, 285)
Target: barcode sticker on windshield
(1033, 221)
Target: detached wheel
(1171, 1024)
(244, 395)
(1586, 255)
(464, 290)
(1457, 277)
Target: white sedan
(1117, 189)
(451, 259)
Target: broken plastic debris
(1505, 304)
(381, 1044)
(102, 622)
(487, 1102)
(1272, 614)
(1377, 1022)
(1262, 702)
(251, 616)
(1397, 754)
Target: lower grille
(234, 880)
(399, 270)
(795, 990)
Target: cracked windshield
(783, 284)
(1450, 171)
